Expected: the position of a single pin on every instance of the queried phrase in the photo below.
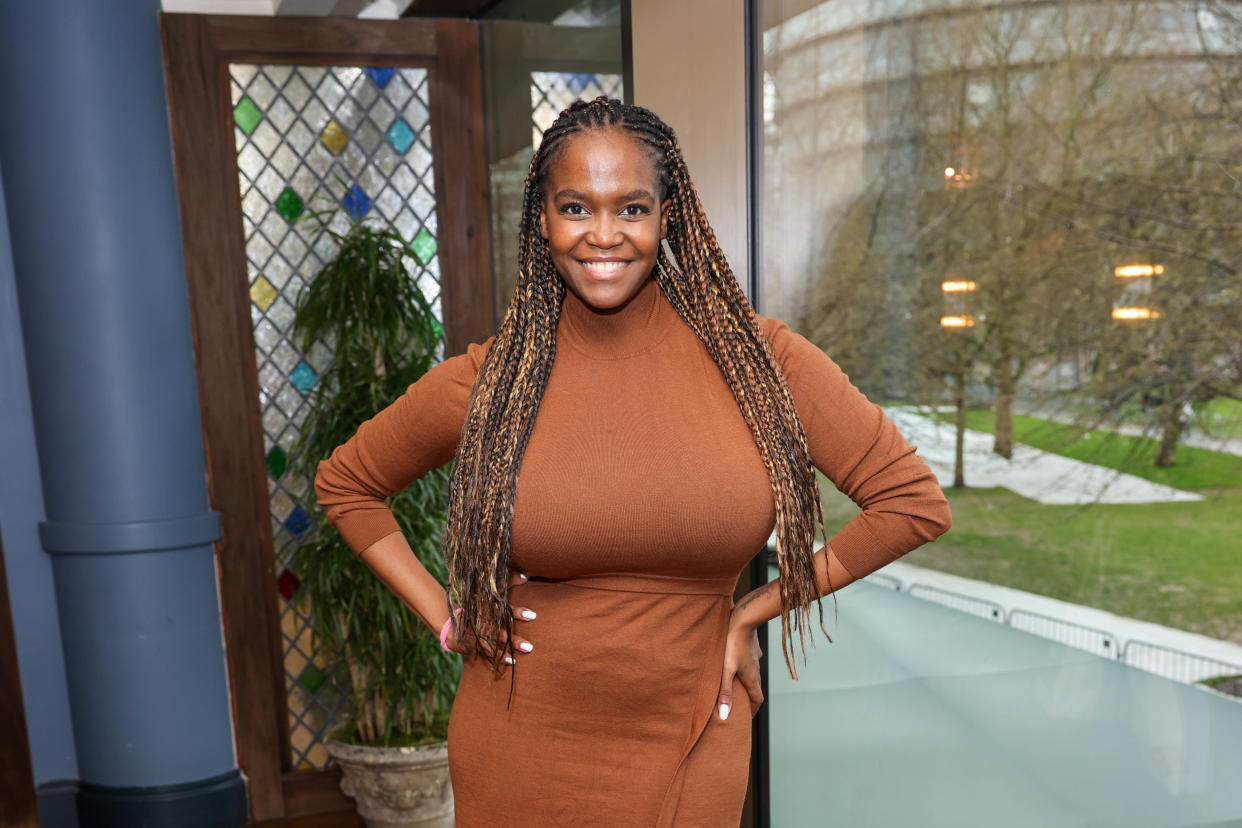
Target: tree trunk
(959, 471)
(1171, 433)
(1006, 390)
(1003, 442)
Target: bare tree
(1029, 150)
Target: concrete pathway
(1190, 437)
(1040, 475)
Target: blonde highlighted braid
(505, 400)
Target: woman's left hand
(742, 654)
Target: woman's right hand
(520, 613)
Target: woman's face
(600, 216)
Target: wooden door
(273, 118)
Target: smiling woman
(662, 429)
(601, 220)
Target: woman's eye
(572, 209)
(635, 210)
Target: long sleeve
(861, 451)
(418, 432)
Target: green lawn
(1194, 468)
(1177, 564)
(1222, 417)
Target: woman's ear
(664, 208)
(543, 222)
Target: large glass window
(1016, 227)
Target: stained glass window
(349, 143)
(550, 92)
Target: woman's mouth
(602, 269)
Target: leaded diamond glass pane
(550, 92)
(302, 131)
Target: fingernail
(522, 575)
(509, 660)
(526, 646)
(529, 615)
(724, 712)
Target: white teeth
(603, 268)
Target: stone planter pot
(397, 787)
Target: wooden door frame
(18, 802)
(197, 52)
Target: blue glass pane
(303, 377)
(400, 136)
(578, 82)
(298, 522)
(381, 75)
(356, 202)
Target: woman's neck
(630, 329)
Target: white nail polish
(509, 660)
(724, 712)
(526, 646)
(522, 575)
(529, 615)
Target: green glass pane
(277, 462)
(247, 115)
(311, 679)
(424, 245)
(289, 205)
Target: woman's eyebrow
(632, 195)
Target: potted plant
(391, 747)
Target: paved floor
(1039, 475)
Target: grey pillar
(32, 588)
(92, 212)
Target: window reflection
(1016, 227)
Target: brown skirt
(612, 720)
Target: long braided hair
(505, 400)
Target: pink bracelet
(444, 631)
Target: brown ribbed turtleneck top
(641, 498)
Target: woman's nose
(604, 232)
